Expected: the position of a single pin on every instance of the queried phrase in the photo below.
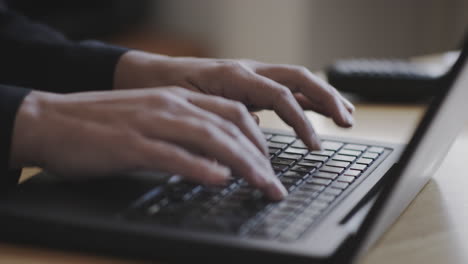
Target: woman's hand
(169, 129)
(287, 89)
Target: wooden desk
(432, 230)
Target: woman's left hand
(286, 89)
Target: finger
(272, 95)
(265, 181)
(239, 154)
(159, 155)
(234, 112)
(318, 91)
(349, 106)
(306, 104)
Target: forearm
(34, 55)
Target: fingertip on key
(315, 143)
(349, 120)
(279, 192)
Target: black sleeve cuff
(10, 100)
(88, 66)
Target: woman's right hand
(201, 137)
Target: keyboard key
(311, 213)
(355, 147)
(326, 197)
(325, 175)
(350, 152)
(300, 195)
(276, 216)
(313, 164)
(288, 207)
(311, 188)
(331, 145)
(303, 169)
(286, 181)
(289, 183)
(339, 185)
(276, 145)
(376, 150)
(347, 179)
(299, 144)
(318, 181)
(316, 158)
(283, 139)
(354, 173)
(274, 151)
(299, 151)
(279, 167)
(333, 191)
(289, 156)
(267, 136)
(296, 200)
(364, 161)
(153, 209)
(317, 205)
(294, 174)
(286, 162)
(370, 155)
(344, 158)
(326, 153)
(360, 167)
(335, 163)
(331, 169)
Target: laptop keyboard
(315, 181)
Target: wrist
(26, 141)
(137, 69)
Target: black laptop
(341, 199)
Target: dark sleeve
(33, 55)
(10, 100)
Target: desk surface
(432, 230)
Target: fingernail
(224, 173)
(349, 119)
(316, 143)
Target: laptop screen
(438, 129)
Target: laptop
(340, 201)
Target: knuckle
(177, 90)
(282, 93)
(303, 70)
(239, 111)
(160, 97)
(205, 130)
(228, 126)
(231, 66)
(232, 130)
